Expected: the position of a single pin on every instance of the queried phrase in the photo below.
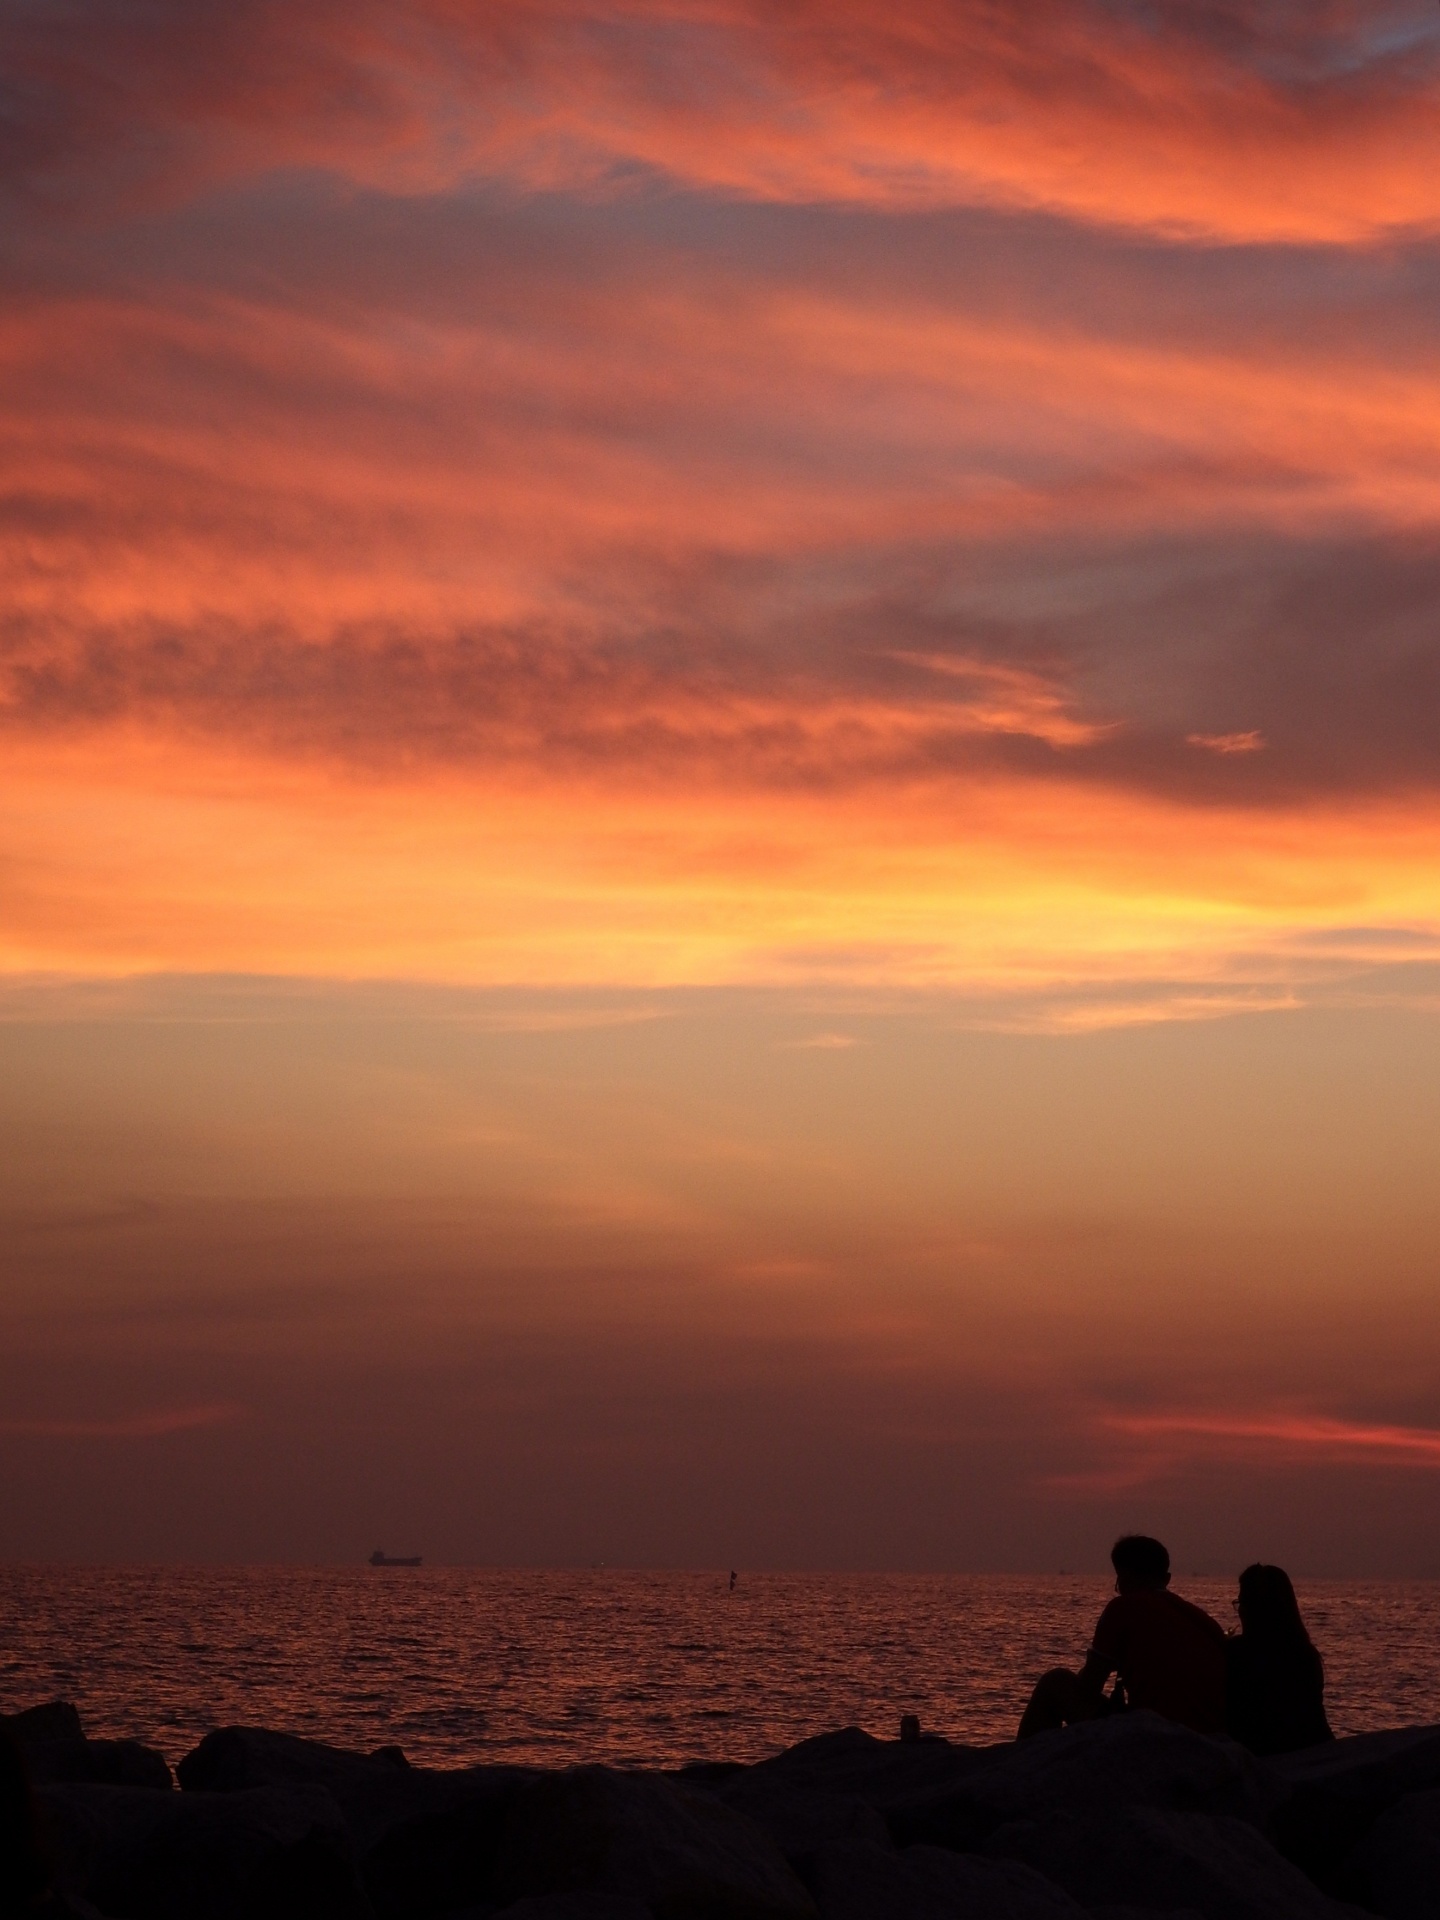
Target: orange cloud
(500, 585)
(282, 563)
(120, 855)
(1199, 121)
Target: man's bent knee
(1058, 1701)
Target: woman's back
(1274, 1698)
(1274, 1677)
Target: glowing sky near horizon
(712, 714)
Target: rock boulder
(55, 1750)
(860, 1880)
(378, 1794)
(1132, 1760)
(1219, 1866)
(1395, 1870)
(265, 1854)
(1130, 1818)
(1334, 1795)
(679, 1852)
(51, 1720)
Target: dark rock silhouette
(798, 1819)
(55, 1749)
(575, 1906)
(25, 1865)
(1131, 1817)
(233, 1758)
(1395, 1869)
(138, 1855)
(99, 1763)
(1221, 1866)
(440, 1857)
(1338, 1793)
(858, 1880)
(677, 1850)
(52, 1720)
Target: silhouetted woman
(1275, 1678)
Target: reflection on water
(460, 1665)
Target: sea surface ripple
(462, 1665)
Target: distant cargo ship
(379, 1558)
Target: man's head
(1141, 1564)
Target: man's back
(1170, 1654)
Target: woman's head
(1267, 1605)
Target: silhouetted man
(1169, 1655)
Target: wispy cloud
(1142, 1448)
(1199, 121)
(1252, 741)
(1300, 1436)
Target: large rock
(1131, 1818)
(51, 1720)
(575, 1906)
(1399, 1760)
(1395, 1870)
(931, 1792)
(55, 1749)
(1130, 1760)
(800, 1819)
(99, 1763)
(378, 1794)
(1221, 1867)
(439, 1858)
(1107, 1911)
(678, 1851)
(1334, 1794)
(267, 1854)
(234, 1758)
(883, 1773)
(860, 1880)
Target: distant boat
(379, 1558)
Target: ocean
(462, 1665)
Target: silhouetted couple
(1264, 1685)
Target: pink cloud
(1300, 1435)
(1251, 742)
(1194, 121)
(1139, 1449)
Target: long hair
(1270, 1613)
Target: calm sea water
(461, 1665)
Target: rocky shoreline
(1120, 1819)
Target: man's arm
(1104, 1656)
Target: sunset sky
(720, 781)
